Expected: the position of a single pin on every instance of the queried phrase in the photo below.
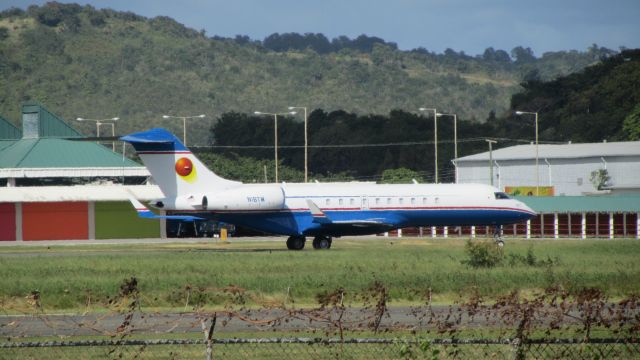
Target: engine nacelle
(250, 197)
(188, 202)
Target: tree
(631, 125)
(400, 176)
(522, 55)
(599, 178)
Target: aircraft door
(364, 205)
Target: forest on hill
(80, 61)
(602, 102)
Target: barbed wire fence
(555, 323)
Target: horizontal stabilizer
(145, 213)
(154, 140)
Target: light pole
(184, 123)
(100, 122)
(275, 133)
(435, 137)
(491, 142)
(455, 132)
(306, 143)
(537, 169)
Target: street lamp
(537, 169)
(455, 132)
(275, 133)
(435, 136)
(491, 142)
(306, 143)
(184, 123)
(100, 122)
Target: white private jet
(318, 210)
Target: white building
(565, 169)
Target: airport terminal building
(56, 186)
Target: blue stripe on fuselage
(300, 222)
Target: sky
(463, 25)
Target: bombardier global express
(318, 210)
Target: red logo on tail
(184, 167)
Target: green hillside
(83, 62)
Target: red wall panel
(7, 221)
(55, 221)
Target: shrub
(485, 254)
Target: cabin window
(327, 202)
(388, 201)
(377, 201)
(436, 200)
(413, 201)
(424, 200)
(352, 201)
(340, 202)
(400, 201)
(501, 196)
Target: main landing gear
(497, 235)
(320, 242)
(296, 242)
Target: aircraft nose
(527, 209)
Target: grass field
(67, 277)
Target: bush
(486, 254)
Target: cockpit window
(501, 196)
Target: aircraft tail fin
(173, 166)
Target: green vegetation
(72, 277)
(598, 103)
(95, 63)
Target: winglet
(318, 216)
(145, 213)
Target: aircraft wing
(354, 226)
(145, 213)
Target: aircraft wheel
(322, 242)
(296, 242)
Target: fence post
(584, 226)
(611, 228)
(433, 231)
(638, 226)
(473, 231)
(556, 231)
(208, 335)
(445, 232)
(528, 229)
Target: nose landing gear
(497, 235)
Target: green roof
(6, 143)
(59, 153)
(578, 204)
(37, 121)
(8, 130)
